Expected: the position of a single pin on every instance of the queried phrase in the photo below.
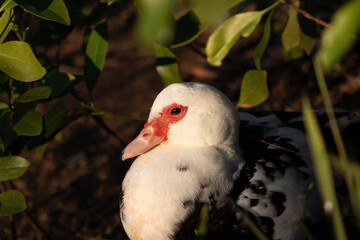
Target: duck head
(187, 114)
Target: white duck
(189, 153)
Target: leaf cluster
(27, 81)
(231, 22)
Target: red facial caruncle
(156, 131)
(170, 114)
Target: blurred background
(72, 187)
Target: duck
(195, 149)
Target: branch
(96, 112)
(30, 219)
(308, 15)
(40, 231)
(275, 145)
(102, 124)
(13, 227)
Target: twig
(57, 56)
(35, 225)
(2, 187)
(31, 220)
(13, 227)
(96, 112)
(275, 146)
(308, 15)
(11, 217)
(102, 124)
(12, 184)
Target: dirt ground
(72, 189)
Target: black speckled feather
(277, 161)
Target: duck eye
(175, 111)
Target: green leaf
(224, 37)
(17, 89)
(294, 53)
(203, 221)
(35, 94)
(8, 4)
(12, 167)
(307, 33)
(253, 89)
(212, 11)
(166, 65)
(260, 48)
(190, 25)
(4, 105)
(187, 28)
(29, 124)
(339, 37)
(11, 202)
(18, 61)
(59, 82)
(156, 23)
(294, 35)
(290, 35)
(322, 168)
(54, 118)
(54, 10)
(6, 23)
(95, 52)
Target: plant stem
(329, 110)
(22, 26)
(96, 111)
(35, 225)
(2, 187)
(276, 146)
(31, 220)
(343, 158)
(245, 219)
(13, 227)
(272, 6)
(101, 123)
(323, 171)
(306, 14)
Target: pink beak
(143, 142)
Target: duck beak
(143, 142)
